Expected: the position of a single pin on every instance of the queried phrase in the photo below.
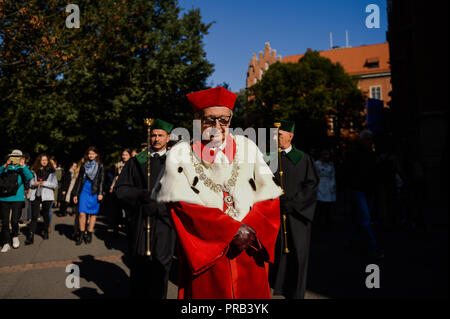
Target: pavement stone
(415, 265)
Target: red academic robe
(206, 268)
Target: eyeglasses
(211, 120)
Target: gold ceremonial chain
(229, 201)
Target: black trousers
(63, 207)
(10, 212)
(148, 278)
(35, 210)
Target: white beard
(180, 173)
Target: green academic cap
(287, 126)
(162, 125)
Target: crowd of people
(199, 196)
(44, 187)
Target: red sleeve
(264, 218)
(203, 233)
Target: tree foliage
(64, 89)
(307, 92)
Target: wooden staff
(149, 123)
(283, 216)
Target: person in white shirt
(41, 193)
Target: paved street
(414, 266)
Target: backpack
(9, 183)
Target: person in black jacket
(360, 170)
(288, 273)
(148, 275)
(88, 193)
(65, 184)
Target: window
(267, 66)
(375, 92)
(261, 73)
(373, 63)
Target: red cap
(211, 97)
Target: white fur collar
(178, 180)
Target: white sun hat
(16, 153)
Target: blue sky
(243, 27)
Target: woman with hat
(11, 204)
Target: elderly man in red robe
(224, 206)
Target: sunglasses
(211, 120)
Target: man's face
(367, 141)
(159, 139)
(285, 139)
(325, 156)
(215, 123)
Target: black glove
(144, 196)
(244, 237)
(150, 209)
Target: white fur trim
(180, 174)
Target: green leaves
(307, 92)
(62, 90)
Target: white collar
(221, 147)
(160, 153)
(287, 150)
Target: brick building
(258, 66)
(369, 63)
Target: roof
(355, 60)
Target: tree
(307, 92)
(62, 90)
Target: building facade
(368, 63)
(259, 65)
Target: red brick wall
(258, 64)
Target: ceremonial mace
(149, 123)
(283, 225)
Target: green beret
(287, 126)
(162, 125)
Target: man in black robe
(287, 275)
(148, 275)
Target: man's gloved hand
(144, 196)
(244, 237)
(150, 209)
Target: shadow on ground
(415, 264)
(111, 280)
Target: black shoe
(376, 254)
(78, 238)
(30, 239)
(45, 235)
(88, 237)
